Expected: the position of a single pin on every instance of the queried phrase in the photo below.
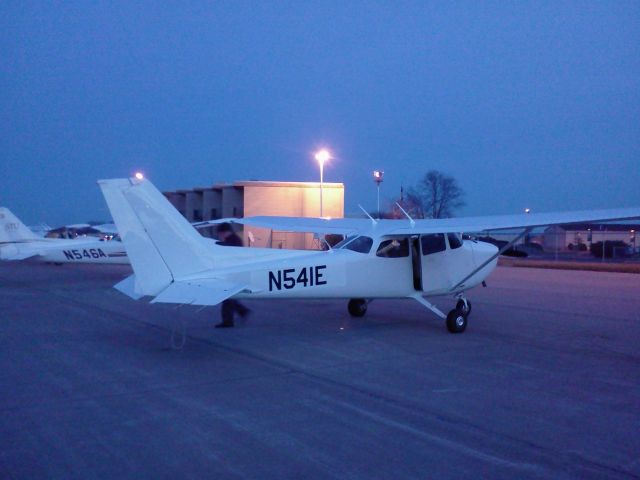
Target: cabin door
(416, 260)
(435, 263)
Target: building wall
(232, 202)
(211, 204)
(177, 199)
(556, 237)
(193, 206)
(289, 200)
(254, 198)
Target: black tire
(460, 306)
(357, 307)
(456, 321)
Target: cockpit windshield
(360, 244)
(346, 240)
(455, 240)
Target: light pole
(527, 238)
(378, 175)
(322, 156)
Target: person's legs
(228, 308)
(241, 309)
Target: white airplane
(173, 263)
(17, 242)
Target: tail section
(161, 245)
(12, 229)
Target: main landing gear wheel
(357, 307)
(456, 321)
(464, 308)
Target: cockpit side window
(346, 240)
(433, 243)
(395, 248)
(454, 240)
(360, 244)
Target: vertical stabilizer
(161, 245)
(12, 229)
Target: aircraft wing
(506, 222)
(198, 292)
(346, 226)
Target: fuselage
(412, 265)
(83, 250)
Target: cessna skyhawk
(17, 242)
(409, 258)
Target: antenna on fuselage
(413, 223)
(373, 220)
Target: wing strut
(424, 302)
(500, 252)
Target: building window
(197, 216)
(214, 213)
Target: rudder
(12, 229)
(161, 245)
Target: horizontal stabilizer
(11, 252)
(198, 292)
(127, 286)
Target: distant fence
(603, 246)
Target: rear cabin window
(454, 241)
(360, 244)
(433, 243)
(395, 248)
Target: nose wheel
(464, 306)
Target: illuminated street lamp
(378, 175)
(322, 156)
(527, 210)
(139, 175)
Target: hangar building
(252, 198)
(566, 237)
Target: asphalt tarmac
(545, 383)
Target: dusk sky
(527, 104)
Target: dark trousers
(229, 308)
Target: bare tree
(410, 202)
(437, 194)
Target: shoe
(224, 325)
